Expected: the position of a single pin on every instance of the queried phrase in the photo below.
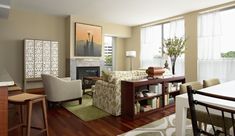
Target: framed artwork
(88, 40)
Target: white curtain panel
(210, 46)
(151, 43)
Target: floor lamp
(131, 55)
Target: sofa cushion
(105, 75)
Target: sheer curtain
(151, 43)
(172, 29)
(211, 43)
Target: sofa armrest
(107, 96)
(74, 86)
(101, 86)
(66, 78)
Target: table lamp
(131, 55)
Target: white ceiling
(124, 12)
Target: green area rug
(162, 127)
(86, 111)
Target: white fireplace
(84, 62)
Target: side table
(88, 82)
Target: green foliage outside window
(230, 54)
(108, 60)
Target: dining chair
(215, 120)
(211, 82)
(195, 85)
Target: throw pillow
(105, 75)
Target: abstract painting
(88, 40)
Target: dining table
(223, 89)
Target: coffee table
(88, 82)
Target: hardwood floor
(63, 123)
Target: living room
(130, 40)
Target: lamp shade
(131, 53)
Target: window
(216, 49)
(108, 52)
(152, 38)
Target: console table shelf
(130, 98)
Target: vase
(173, 60)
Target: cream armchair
(62, 89)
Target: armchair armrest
(66, 90)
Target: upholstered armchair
(62, 89)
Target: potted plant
(174, 47)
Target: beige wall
(21, 25)
(119, 54)
(133, 43)
(191, 46)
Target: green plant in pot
(174, 47)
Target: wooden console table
(130, 98)
(5, 81)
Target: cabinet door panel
(54, 58)
(29, 58)
(46, 57)
(38, 58)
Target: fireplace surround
(84, 63)
(87, 71)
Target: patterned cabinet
(40, 56)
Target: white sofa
(61, 89)
(107, 93)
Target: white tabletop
(5, 79)
(224, 89)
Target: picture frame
(88, 40)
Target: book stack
(169, 99)
(166, 100)
(156, 89)
(152, 103)
(171, 87)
